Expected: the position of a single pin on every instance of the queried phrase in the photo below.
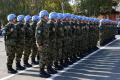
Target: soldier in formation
(53, 40)
(108, 30)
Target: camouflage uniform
(90, 35)
(69, 35)
(72, 40)
(34, 46)
(66, 41)
(75, 39)
(79, 39)
(52, 43)
(82, 36)
(28, 42)
(42, 38)
(102, 30)
(62, 42)
(75, 50)
(59, 36)
(10, 43)
(96, 34)
(84, 32)
(87, 36)
(20, 41)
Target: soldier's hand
(11, 29)
(22, 29)
(53, 29)
(39, 48)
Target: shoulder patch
(39, 31)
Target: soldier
(91, 32)
(118, 28)
(69, 50)
(53, 50)
(96, 33)
(65, 41)
(73, 59)
(20, 41)
(114, 30)
(60, 35)
(78, 37)
(35, 19)
(28, 40)
(42, 37)
(60, 40)
(76, 34)
(84, 36)
(10, 38)
(101, 32)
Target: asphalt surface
(103, 64)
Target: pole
(62, 5)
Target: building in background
(114, 14)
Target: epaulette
(39, 23)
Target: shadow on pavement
(104, 65)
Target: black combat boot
(19, 67)
(78, 56)
(34, 62)
(57, 66)
(71, 60)
(44, 74)
(74, 59)
(38, 59)
(68, 62)
(11, 70)
(26, 64)
(50, 70)
(62, 63)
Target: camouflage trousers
(53, 52)
(45, 58)
(58, 50)
(65, 48)
(20, 49)
(34, 51)
(79, 45)
(10, 51)
(27, 52)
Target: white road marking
(109, 47)
(60, 72)
(12, 75)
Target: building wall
(114, 16)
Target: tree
(31, 7)
(56, 5)
(94, 7)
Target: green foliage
(94, 7)
(31, 7)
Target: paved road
(103, 64)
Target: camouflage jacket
(28, 33)
(20, 33)
(41, 33)
(10, 37)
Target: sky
(118, 8)
(72, 2)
